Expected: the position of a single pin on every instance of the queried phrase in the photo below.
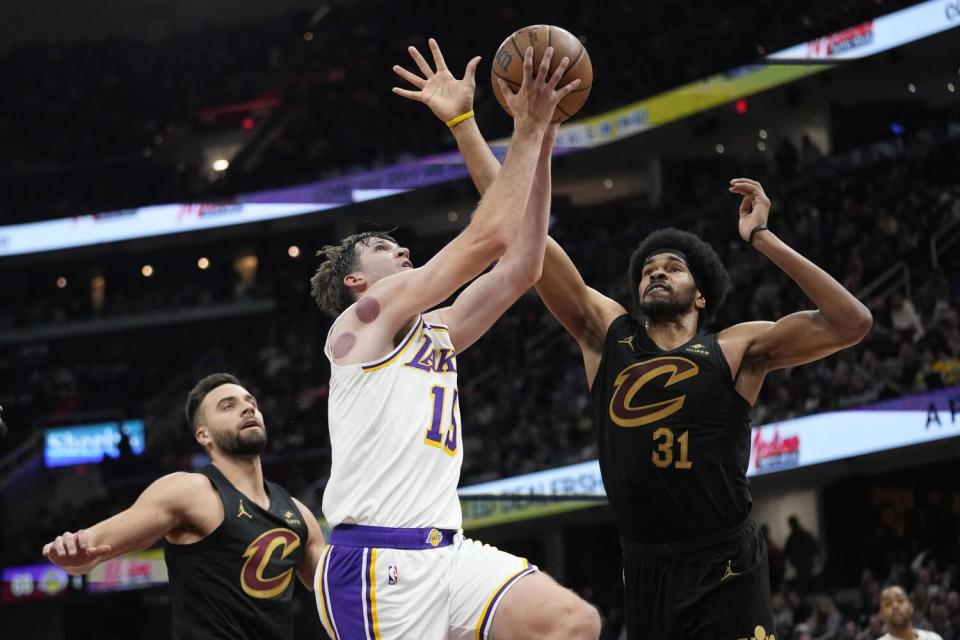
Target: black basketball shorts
(711, 588)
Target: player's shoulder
(928, 635)
(437, 317)
(181, 486)
(745, 330)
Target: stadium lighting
(912, 88)
(951, 87)
(220, 164)
(720, 149)
(293, 251)
(763, 134)
(761, 146)
(147, 270)
(61, 282)
(453, 216)
(203, 263)
(608, 183)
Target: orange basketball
(508, 64)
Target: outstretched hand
(755, 206)
(74, 551)
(446, 96)
(538, 96)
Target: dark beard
(241, 444)
(662, 309)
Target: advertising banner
(139, 570)
(35, 582)
(788, 65)
(775, 447)
(89, 443)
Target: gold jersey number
(663, 453)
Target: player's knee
(586, 623)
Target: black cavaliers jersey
(237, 583)
(674, 436)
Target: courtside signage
(875, 36)
(139, 570)
(576, 479)
(776, 447)
(838, 435)
(34, 582)
(81, 444)
(145, 222)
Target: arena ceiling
(51, 22)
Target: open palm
(443, 93)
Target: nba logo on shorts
(434, 538)
(393, 577)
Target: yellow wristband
(460, 118)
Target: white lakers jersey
(395, 436)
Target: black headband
(657, 252)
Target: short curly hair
(704, 264)
(326, 285)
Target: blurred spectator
(897, 612)
(904, 317)
(775, 559)
(802, 551)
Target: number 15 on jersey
(438, 435)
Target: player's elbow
(858, 325)
(530, 273)
(491, 241)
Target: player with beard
(232, 540)
(896, 611)
(672, 404)
(672, 400)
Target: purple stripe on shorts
(488, 616)
(355, 535)
(345, 585)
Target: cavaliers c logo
(632, 379)
(258, 556)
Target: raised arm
(839, 321)
(160, 509)
(450, 100)
(489, 296)
(584, 312)
(501, 208)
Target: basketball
(508, 64)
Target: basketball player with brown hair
(232, 541)
(673, 400)
(398, 566)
